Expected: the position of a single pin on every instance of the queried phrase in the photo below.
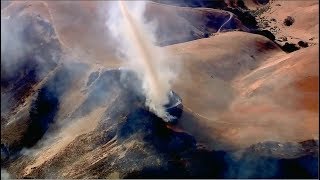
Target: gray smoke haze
(4, 174)
(29, 50)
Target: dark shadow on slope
(245, 16)
(289, 47)
(262, 2)
(45, 105)
(194, 3)
(241, 11)
(92, 77)
(265, 33)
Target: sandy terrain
(234, 87)
(306, 23)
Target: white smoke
(4, 174)
(136, 43)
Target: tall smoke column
(156, 90)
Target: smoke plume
(137, 45)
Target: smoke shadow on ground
(46, 105)
(43, 109)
